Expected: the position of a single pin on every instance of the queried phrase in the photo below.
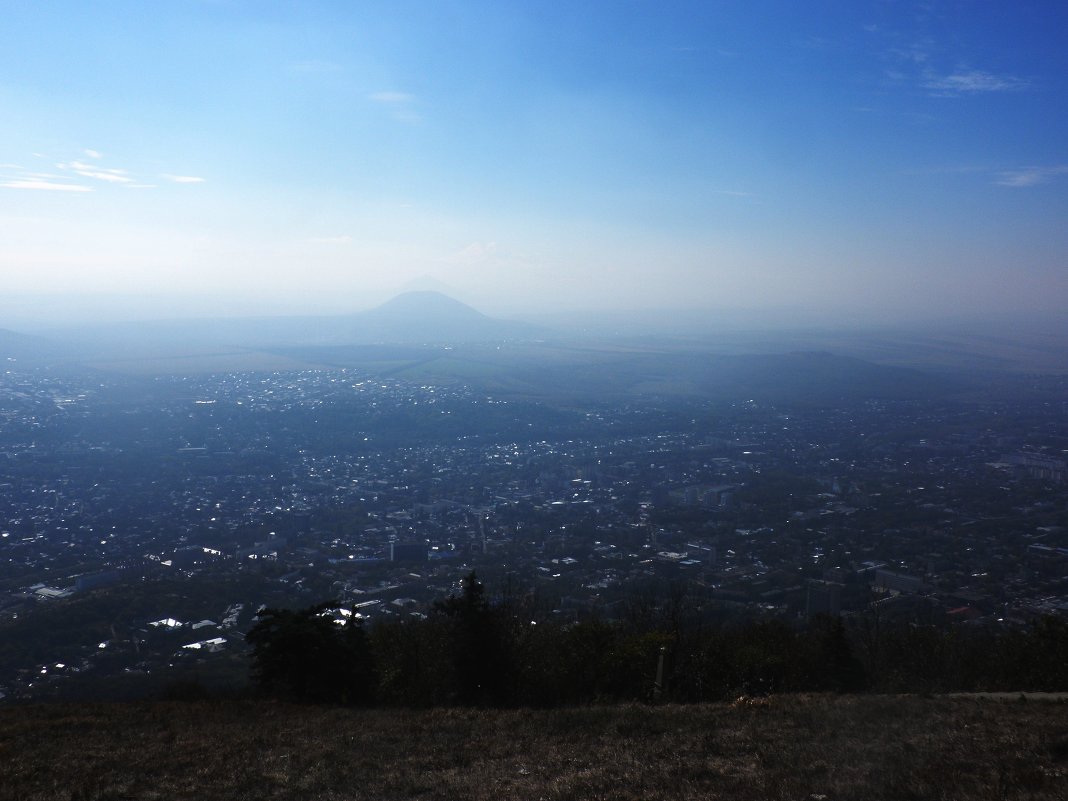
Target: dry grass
(813, 748)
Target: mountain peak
(430, 316)
(423, 303)
(428, 282)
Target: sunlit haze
(872, 159)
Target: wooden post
(658, 686)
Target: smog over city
(668, 367)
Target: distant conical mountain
(422, 317)
(431, 317)
(427, 283)
(425, 304)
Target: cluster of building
(286, 489)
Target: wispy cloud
(970, 82)
(344, 239)
(475, 253)
(1019, 178)
(67, 175)
(109, 174)
(916, 52)
(401, 105)
(183, 179)
(1030, 176)
(45, 185)
(917, 56)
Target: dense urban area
(145, 521)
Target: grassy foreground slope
(789, 747)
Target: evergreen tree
(305, 656)
(479, 646)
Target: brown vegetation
(788, 747)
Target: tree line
(470, 652)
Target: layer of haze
(869, 159)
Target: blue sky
(868, 158)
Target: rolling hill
(14, 345)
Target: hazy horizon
(830, 161)
(53, 313)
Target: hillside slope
(800, 747)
